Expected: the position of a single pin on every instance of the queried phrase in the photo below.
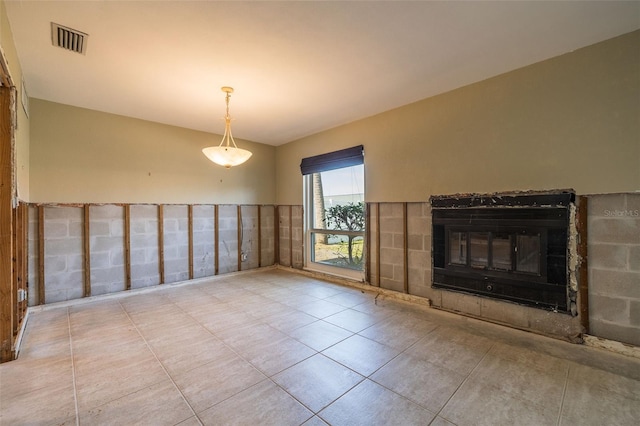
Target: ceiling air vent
(68, 38)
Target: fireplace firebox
(510, 247)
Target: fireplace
(510, 247)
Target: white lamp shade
(226, 156)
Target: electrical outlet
(243, 256)
(22, 295)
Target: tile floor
(275, 347)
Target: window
(335, 213)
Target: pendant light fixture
(227, 154)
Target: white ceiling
(297, 67)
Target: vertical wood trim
(15, 282)
(259, 236)
(41, 278)
(367, 242)
(583, 269)
(161, 242)
(127, 246)
(291, 236)
(276, 239)
(406, 247)
(86, 236)
(23, 248)
(239, 228)
(6, 225)
(190, 213)
(216, 225)
(378, 243)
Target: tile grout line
(466, 379)
(160, 363)
(564, 394)
(73, 369)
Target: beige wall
(568, 122)
(22, 132)
(84, 156)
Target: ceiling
(297, 67)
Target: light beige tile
(216, 381)
(27, 375)
(191, 421)
(289, 321)
(543, 388)
(451, 348)
(594, 377)
(401, 332)
(321, 309)
(369, 404)
(108, 381)
(360, 354)
(351, 320)
(428, 385)
(478, 404)
(439, 421)
(351, 298)
(262, 404)
(158, 404)
(51, 405)
(320, 335)
(317, 381)
(273, 357)
(593, 405)
(315, 421)
(180, 358)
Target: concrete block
(618, 230)
(100, 244)
(392, 256)
(419, 260)
(633, 204)
(386, 240)
(63, 247)
(460, 302)
(554, 323)
(62, 213)
(75, 262)
(76, 229)
(605, 205)
(611, 282)
(110, 276)
(611, 309)
(116, 228)
(634, 314)
(398, 241)
(56, 230)
(108, 211)
(608, 256)
(99, 228)
(116, 257)
(504, 312)
(146, 270)
(620, 333)
(393, 225)
(99, 260)
(55, 264)
(390, 210)
(391, 285)
(415, 242)
(634, 258)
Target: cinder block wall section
(291, 236)
(86, 250)
(614, 267)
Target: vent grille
(68, 38)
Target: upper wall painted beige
(22, 132)
(84, 156)
(569, 122)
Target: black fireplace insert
(510, 247)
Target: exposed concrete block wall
(204, 234)
(419, 248)
(176, 243)
(145, 268)
(227, 238)
(63, 261)
(106, 242)
(32, 256)
(392, 246)
(249, 238)
(267, 240)
(614, 266)
(291, 236)
(64, 246)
